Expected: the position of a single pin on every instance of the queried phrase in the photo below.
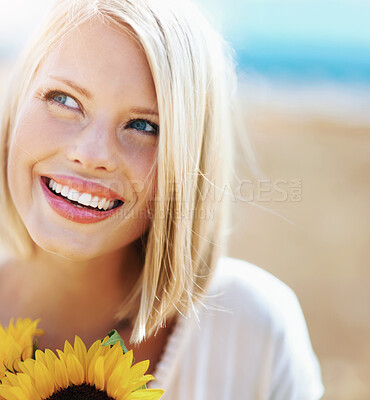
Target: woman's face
(90, 125)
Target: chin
(73, 249)
(71, 253)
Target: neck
(78, 297)
(106, 270)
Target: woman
(116, 137)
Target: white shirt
(249, 341)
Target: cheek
(36, 137)
(38, 134)
(26, 148)
(140, 165)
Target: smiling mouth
(81, 199)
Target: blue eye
(144, 126)
(65, 100)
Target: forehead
(97, 56)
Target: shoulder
(248, 280)
(248, 340)
(250, 291)
(254, 309)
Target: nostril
(93, 157)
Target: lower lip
(73, 213)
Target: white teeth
(106, 205)
(101, 203)
(73, 195)
(85, 199)
(94, 202)
(65, 191)
(59, 187)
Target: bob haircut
(194, 80)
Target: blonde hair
(194, 80)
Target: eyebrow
(142, 110)
(79, 89)
(88, 95)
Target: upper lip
(85, 186)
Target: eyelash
(149, 133)
(49, 94)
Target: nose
(93, 148)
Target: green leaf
(115, 337)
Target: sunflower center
(80, 392)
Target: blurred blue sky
(288, 39)
(308, 39)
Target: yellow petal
(40, 356)
(92, 350)
(25, 383)
(105, 367)
(28, 366)
(139, 369)
(74, 369)
(96, 350)
(16, 343)
(146, 394)
(99, 352)
(128, 358)
(62, 356)
(99, 373)
(81, 352)
(12, 393)
(117, 380)
(60, 373)
(124, 368)
(44, 383)
(137, 383)
(111, 360)
(68, 349)
(50, 357)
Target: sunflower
(17, 343)
(101, 373)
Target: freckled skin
(91, 142)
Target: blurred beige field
(322, 252)
(307, 222)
